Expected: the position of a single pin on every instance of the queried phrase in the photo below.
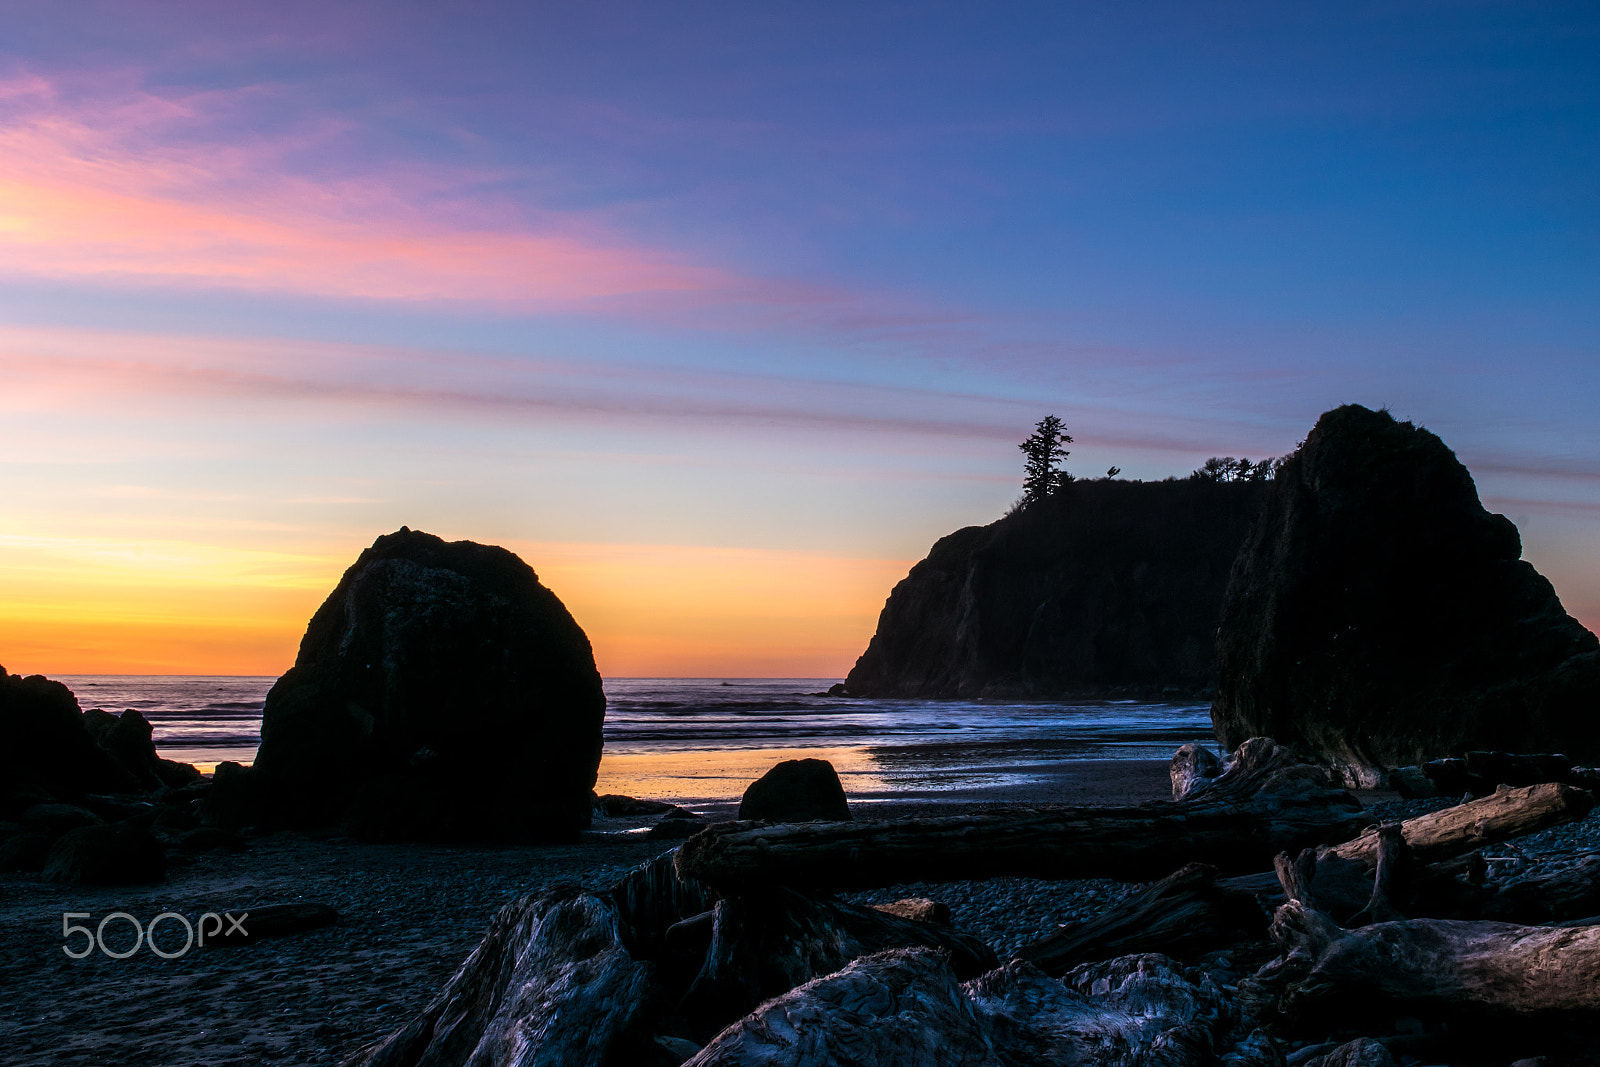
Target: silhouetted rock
(676, 824)
(175, 775)
(1105, 588)
(796, 790)
(128, 738)
(441, 693)
(54, 820)
(615, 805)
(1378, 616)
(121, 854)
(46, 752)
(26, 851)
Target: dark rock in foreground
(26, 851)
(1378, 616)
(120, 854)
(441, 693)
(1105, 588)
(129, 739)
(676, 824)
(796, 790)
(46, 751)
(615, 805)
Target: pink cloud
(123, 189)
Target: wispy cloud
(126, 184)
(49, 368)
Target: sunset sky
(719, 314)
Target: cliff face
(1106, 588)
(1378, 615)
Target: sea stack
(441, 693)
(1104, 589)
(1379, 616)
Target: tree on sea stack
(1044, 449)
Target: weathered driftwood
(1266, 802)
(621, 979)
(1193, 768)
(767, 942)
(651, 899)
(1389, 887)
(550, 985)
(1185, 914)
(919, 908)
(1556, 887)
(907, 1009)
(1553, 887)
(1431, 866)
(1504, 814)
(1362, 1052)
(1423, 963)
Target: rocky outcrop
(1106, 588)
(796, 790)
(46, 751)
(441, 693)
(129, 738)
(1379, 616)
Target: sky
(719, 314)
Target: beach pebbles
(1009, 912)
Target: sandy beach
(409, 915)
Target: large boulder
(46, 751)
(1107, 588)
(1379, 616)
(441, 693)
(796, 790)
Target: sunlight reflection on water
(698, 739)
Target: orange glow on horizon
(649, 610)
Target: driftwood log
(1485, 988)
(1193, 768)
(651, 899)
(550, 985)
(1554, 887)
(907, 1009)
(1267, 801)
(1438, 963)
(1450, 832)
(1185, 914)
(624, 978)
(1433, 866)
(765, 943)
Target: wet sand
(409, 915)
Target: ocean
(705, 739)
